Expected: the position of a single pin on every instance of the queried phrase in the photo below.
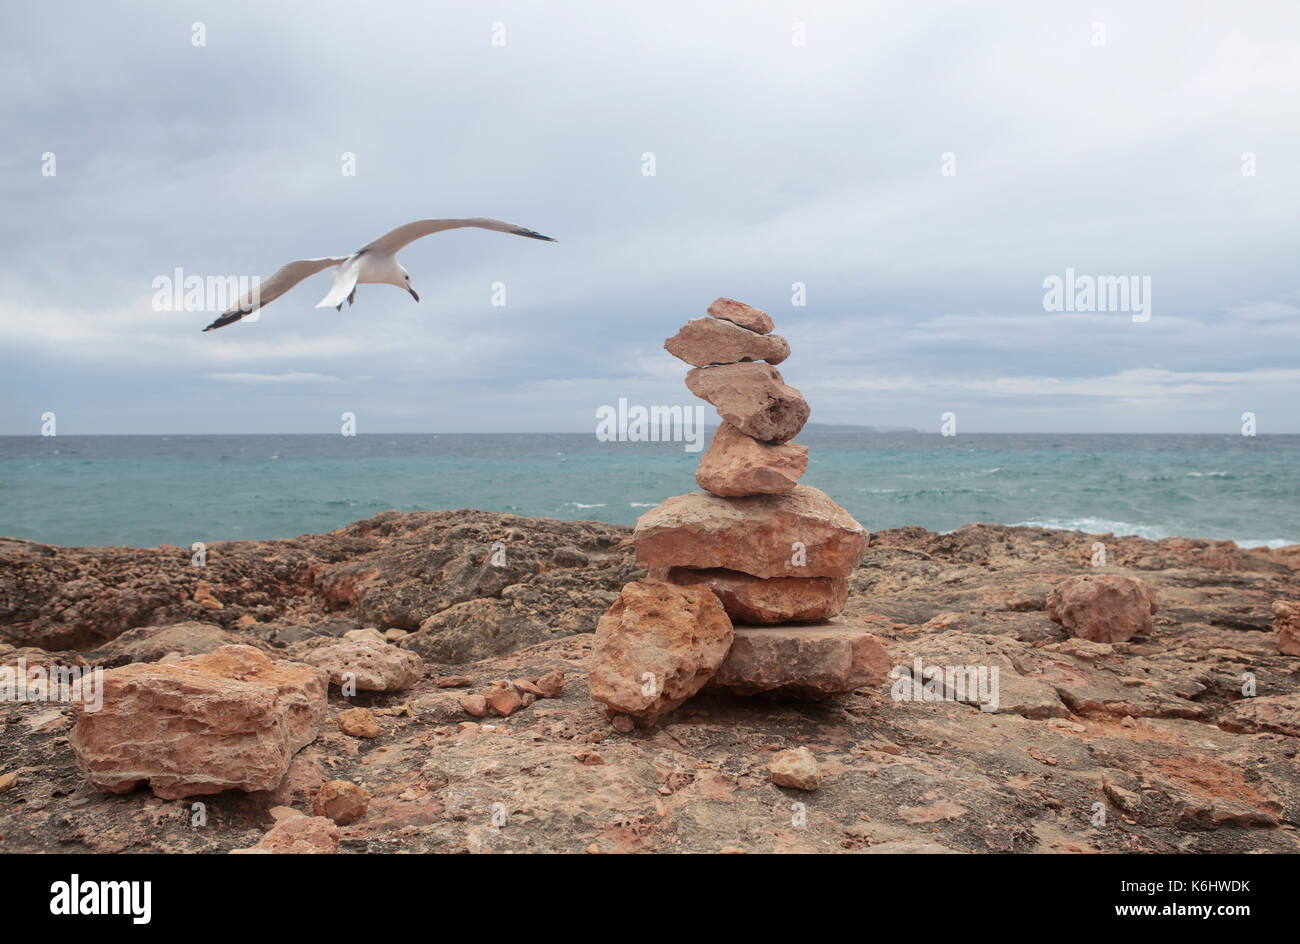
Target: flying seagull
(375, 262)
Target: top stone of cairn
(728, 309)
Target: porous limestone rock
(372, 666)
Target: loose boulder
(371, 666)
(1102, 607)
(656, 647)
(228, 720)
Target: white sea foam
(1150, 532)
(581, 505)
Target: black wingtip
(532, 235)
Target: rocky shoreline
(1152, 744)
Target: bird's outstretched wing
(345, 280)
(285, 278)
(395, 239)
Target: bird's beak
(413, 295)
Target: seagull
(374, 262)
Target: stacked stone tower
(773, 555)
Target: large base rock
(231, 719)
(799, 534)
(656, 647)
(754, 398)
(775, 600)
(1102, 607)
(737, 465)
(808, 661)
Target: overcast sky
(775, 163)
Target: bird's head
(403, 280)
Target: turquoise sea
(149, 490)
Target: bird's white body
(373, 264)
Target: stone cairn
(746, 578)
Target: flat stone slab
(772, 600)
(816, 660)
(702, 342)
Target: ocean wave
(640, 504)
(581, 505)
(1097, 526)
(1150, 532)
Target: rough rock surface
(370, 666)
(703, 342)
(737, 465)
(754, 398)
(1286, 624)
(232, 719)
(1102, 607)
(358, 722)
(799, 534)
(746, 316)
(1156, 730)
(298, 835)
(390, 571)
(749, 599)
(341, 801)
(656, 647)
(808, 661)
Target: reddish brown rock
(796, 769)
(341, 801)
(502, 699)
(702, 342)
(1286, 624)
(1102, 607)
(737, 465)
(754, 398)
(371, 666)
(799, 534)
(656, 647)
(551, 685)
(231, 719)
(744, 315)
(817, 661)
(749, 599)
(298, 835)
(358, 722)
